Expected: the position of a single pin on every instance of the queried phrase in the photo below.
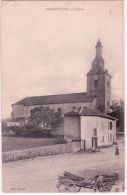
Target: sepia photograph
(63, 96)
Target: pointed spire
(98, 43)
(98, 48)
(98, 62)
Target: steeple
(98, 62)
(99, 81)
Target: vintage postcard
(63, 96)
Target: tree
(43, 119)
(4, 125)
(117, 111)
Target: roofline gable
(88, 111)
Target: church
(98, 94)
(84, 114)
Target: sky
(49, 51)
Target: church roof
(55, 99)
(88, 111)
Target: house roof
(88, 111)
(55, 99)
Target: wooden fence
(40, 151)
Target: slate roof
(88, 111)
(55, 99)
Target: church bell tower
(99, 81)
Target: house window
(108, 103)
(113, 138)
(103, 139)
(94, 132)
(110, 125)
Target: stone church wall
(98, 91)
(107, 91)
(17, 111)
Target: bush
(16, 129)
(33, 131)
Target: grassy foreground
(19, 143)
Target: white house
(95, 128)
(15, 122)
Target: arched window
(95, 83)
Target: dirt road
(40, 174)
